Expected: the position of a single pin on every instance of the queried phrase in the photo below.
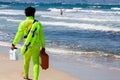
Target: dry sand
(12, 70)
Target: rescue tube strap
(27, 46)
(30, 29)
(34, 32)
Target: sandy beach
(59, 70)
(12, 70)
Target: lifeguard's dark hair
(30, 11)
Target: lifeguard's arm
(18, 34)
(42, 39)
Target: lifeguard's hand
(42, 50)
(12, 47)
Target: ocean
(83, 33)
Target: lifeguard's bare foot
(26, 78)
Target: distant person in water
(61, 12)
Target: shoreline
(59, 67)
(12, 70)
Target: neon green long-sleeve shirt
(23, 29)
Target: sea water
(84, 33)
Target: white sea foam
(116, 56)
(60, 51)
(45, 14)
(69, 52)
(85, 54)
(100, 11)
(75, 25)
(54, 10)
(11, 12)
(81, 10)
(81, 18)
(77, 8)
(82, 26)
(65, 10)
(13, 20)
(8, 44)
(115, 8)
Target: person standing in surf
(61, 12)
(33, 51)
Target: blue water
(90, 33)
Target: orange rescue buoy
(44, 60)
